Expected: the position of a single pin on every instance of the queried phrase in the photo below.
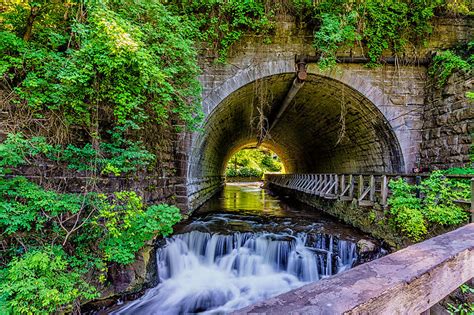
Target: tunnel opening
(329, 127)
(251, 163)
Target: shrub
(437, 207)
(41, 282)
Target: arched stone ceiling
(311, 137)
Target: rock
(366, 246)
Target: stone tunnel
(329, 126)
(349, 119)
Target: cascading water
(225, 262)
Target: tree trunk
(34, 11)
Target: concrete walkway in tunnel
(409, 281)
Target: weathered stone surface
(409, 281)
(448, 121)
(365, 246)
(385, 106)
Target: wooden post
(343, 183)
(372, 188)
(384, 190)
(417, 183)
(361, 186)
(351, 189)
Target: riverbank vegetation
(82, 81)
(84, 85)
(56, 247)
(435, 201)
(253, 163)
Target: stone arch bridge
(348, 119)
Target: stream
(243, 246)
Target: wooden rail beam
(409, 281)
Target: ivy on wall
(94, 74)
(445, 63)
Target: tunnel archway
(329, 127)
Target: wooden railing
(409, 281)
(367, 189)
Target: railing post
(351, 188)
(417, 183)
(361, 186)
(372, 188)
(343, 183)
(384, 190)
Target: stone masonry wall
(397, 91)
(165, 183)
(448, 123)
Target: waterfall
(215, 273)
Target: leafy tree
(253, 163)
(98, 55)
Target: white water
(214, 273)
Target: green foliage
(406, 209)
(41, 282)
(458, 7)
(439, 196)
(460, 171)
(446, 63)
(461, 309)
(117, 157)
(464, 307)
(249, 172)
(378, 25)
(94, 229)
(16, 150)
(25, 206)
(415, 215)
(133, 58)
(128, 225)
(336, 31)
(253, 163)
(221, 23)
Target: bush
(127, 225)
(415, 215)
(41, 282)
(39, 225)
(250, 172)
(406, 209)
